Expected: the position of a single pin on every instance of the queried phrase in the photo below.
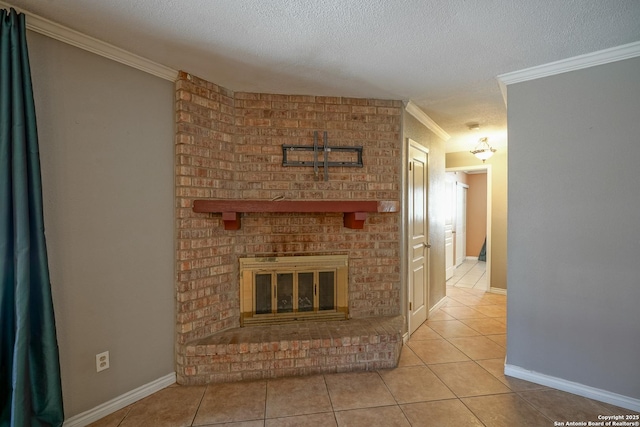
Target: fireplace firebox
(293, 288)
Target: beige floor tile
(424, 332)
(355, 390)
(463, 312)
(471, 300)
(467, 379)
(476, 269)
(451, 303)
(617, 410)
(465, 266)
(386, 416)
(453, 291)
(170, 407)
(492, 310)
(114, 419)
(502, 320)
(451, 328)
(231, 402)
(478, 292)
(441, 413)
(496, 368)
(465, 285)
(253, 423)
(467, 281)
(415, 384)
(479, 276)
(297, 396)
(408, 358)
(440, 315)
(474, 273)
(500, 339)
(562, 406)
(326, 419)
(462, 294)
(505, 410)
(478, 348)
(437, 351)
(496, 299)
(486, 326)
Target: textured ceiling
(444, 55)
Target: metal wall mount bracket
(325, 149)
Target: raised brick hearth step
(295, 349)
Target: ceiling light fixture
(483, 150)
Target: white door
(461, 222)
(450, 209)
(418, 237)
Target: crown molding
(618, 53)
(503, 90)
(56, 31)
(416, 112)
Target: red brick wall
(206, 298)
(229, 146)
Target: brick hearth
(304, 348)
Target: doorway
(460, 227)
(450, 238)
(418, 235)
(455, 221)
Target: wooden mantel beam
(355, 211)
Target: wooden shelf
(355, 211)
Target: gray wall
(414, 129)
(106, 146)
(574, 227)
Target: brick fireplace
(229, 146)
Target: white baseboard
(500, 291)
(120, 402)
(472, 258)
(574, 388)
(405, 338)
(437, 305)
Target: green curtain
(30, 390)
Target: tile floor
(450, 374)
(471, 274)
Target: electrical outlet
(102, 361)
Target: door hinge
(410, 307)
(410, 165)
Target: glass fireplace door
(284, 292)
(306, 284)
(305, 291)
(293, 292)
(263, 299)
(326, 290)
